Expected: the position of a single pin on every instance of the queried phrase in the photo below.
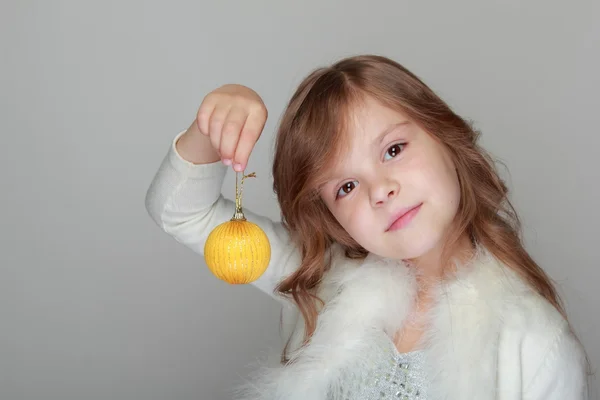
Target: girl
(398, 245)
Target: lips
(402, 217)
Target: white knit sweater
(491, 336)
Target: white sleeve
(185, 201)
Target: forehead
(371, 115)
(367, 124)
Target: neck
(432, 267)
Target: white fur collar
(376, 296)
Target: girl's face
(395, 190)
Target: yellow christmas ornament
(237, 251)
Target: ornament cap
(238, 216)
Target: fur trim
(461, 345)
(469, 309)
(337, 349)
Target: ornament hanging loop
(239, 189)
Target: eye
(346, 188)
(394, 150)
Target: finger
(204, 112)
(216, 124)
(250, 134)
(230, 133)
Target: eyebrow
(389, 130)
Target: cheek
(454, 195)
(347, 219)
(337, 213)
(441, 181)
(351, 219)
(451, 187)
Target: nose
(384, 191)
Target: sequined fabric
(394, 376)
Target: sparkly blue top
(394, 376)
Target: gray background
(97, 303)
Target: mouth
(402, 217)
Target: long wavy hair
(310, 135)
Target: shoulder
(507, 296)
(553, 361)
(523, 312)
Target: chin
(416, 246)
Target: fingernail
(238, 167)
(227, 161)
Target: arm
(184, 199)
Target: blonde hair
(311, 133)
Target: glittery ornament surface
(237, 251)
